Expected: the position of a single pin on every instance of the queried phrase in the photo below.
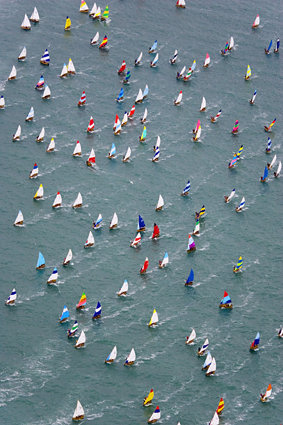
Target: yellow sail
(68, 24)
(149, 398)
(249, 72)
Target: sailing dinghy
(191, 244)
(203, 105)
(248, 73)
(207, 61)
(207, 361)
(51, 146)
(90, 128)
(26, 23)
(97, 311)
(269, 144)
(255, 344)
(227, 199)
(39, 193)
(82, 303)
(90, 240)
(122, 68)
(105, 14)
(188, 75)
(200, 214)
(30, 115)
(178, 99)
(264, 397)
(93, 10)
(71, 332)
(153, 48)
(148, 399)
(79, 344)
(45, 58)
(117, 121)
(90, 162)
(142, 138)
(225, 50)
(144, 117)
(68, 258)
(127, 77)
(130, 360)
(265, 175)
(181, 74)
(220, 406)
(13, 73)
(40, 262)
(35, 16)
(53, 277)
(145, 92)
(141, 224)
(196, 231)
(98, 223)
(267, 51)
(276, 50)
(197, 134)
(226, 301)
(125, 119)
(212, 368)
(120, 96)
(138, 60)
(181, 4)
(160, 203)
(137, 241)
(214, 420)
(235, 128)
(2, 102)
(214, 119)
(174, 58)
(57, 201)
(68, 24)
(277, 173)
(40, 84)
(12, 298)
(64, 71)
(190, 280)
(46, 93)
(112, 152)
(139, 97)
(252, 100)
(203, 348)
(124, 289)
(19, 219)
(94, 40)
(71, 67)
(41, 135)
(114, 221)
(145, 266)
(268, 128)
(256, 22)
(163, 263)
(82, 100)
(78, 201)
(231, 43)
(280, 332)
(97, 14)
(153, 63)
(78, 149)
(238, 266)
(154, 319)
(156, 232)
(155, 416)
(112, 356)
(83, 7)
(103, 44)
(156, 155)
(241, 205)
(186, 189)
(157, 145)
(22, 56)
(190, 339)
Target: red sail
(123, 67)
(132, 111)
(155, 233)
(145, 266)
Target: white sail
(41, 135)
(179, 98)
(71, 67)
(268, 393)
(231, 43)
(198, 134)
(64, 71)
(191, 337)
(138, 60)
(127, 154)
(272, 162)
(30, 115)
(93, 10)
(23, 54)
(57, 201)
(139, 97)
(132, 356)
(165, 261)
(79, 411)
(215, 419)
(34, 16)
(204, 346)
(40, 192)
(196, 229)
(51, 146)
(26, 23)
(53, 277)
(278, 169)
(207, 361)
(13, 73)
(112, 356)
(158, 141)
(256, 21)
(154, 318)
(232, 194)
(19, 219)
(144, 116)
(160, 203)
(94, 40)
(78, 149)
(203, 104)
(12, 297)
(98, 222)
(81, 339)
(83, 7)
(212, 367)
(68, 257)
(90, 239)
(79, 200)
(46, 93)
(125, 119)
(34, 173)
(114, 221)
(17, 135)
(97, 13)
(155, 60)
(124, 288)
(2, 102)
(154, 417)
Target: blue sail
(270, 44)
(153, 47)
(265, 174)
(145, 92)
(128, 75)
(113, 149)
(187, 188)
(226, 300)
(65, 314)
(97, 312)
(45, 57)
(120, 95)
(191, 276)
(141, 222)
(269, 143)
(257, 339)
(40, 261)
(277, 44)
(156, 154)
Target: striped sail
(153, 47)
(97, 311)
(45, 58)
(187, 188)
(82, 302)
(226, 299)
(248, 72)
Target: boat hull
(19, 223)
(227, 306)
(80, 346)
(113, 227)
(40, 267)
(44, 63)
(108, 361)
(128, 363)
(77, 206)
(158, 209)
(122, 294)
(189, 283)
(88, 245)
(96, 317)
(50, 150)
(191, 250)
(209, 373)
(56, 206)
(26, 28)
(65, 263)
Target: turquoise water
(42, 375)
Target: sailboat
(241, 205)
(141, 224)
(26, 23)
(71, 332)
(188, 75)
(153, 63)
(214, 420)
(124, 289)
(13, 73)
(220, 406)
(225, 50)
(144, 117)
(57, 201)
(90, 162)
(71, 68)
(78, 149)
(280, 332)
(163, 263)
(90, 240)
(226, 301)
(156, 155)
(122, 68)
(214, 119)
(145, 92)
(154, 319)
(34, 172)
(93, 10)
(201, 213)
(125, 119)
(40, 84)
(45, 58)
(53, 277)
(160, 203)
(12, 298)
(191, 244)
(22, 56)
(233, 161)
(186, 189)
(139, 97)
(65, 315)
(269, 144)
(181, 74)
(267, 51)
(39, 193)
(112, 152)
(196, 229)
(97, 14)
(178, 99)
(236, 127)
(40, 262)
(81, 340)
(203, 348)
(268, 128)
(138, 60)
(265, 175)
(148, 399)
(2, 102)
(97, 311)
(174, 58)
(207, 361)
(46, 93)
(143, 135)
(68, 258)
(104, 43)
(41, 135)
(212, 368)
(64, 71)
(277, 173)
(120, 96)
(90, 128)
(157, 145)
(132, 112)
(83, 7)
(68, 24)
(127, 77)
(35, 16)
(255, 344)
(252, 100)
(82, 303)
(94, 39)
(137, 241)
(153, 48)
(190, 279)
(190, 339)
(197, 134)
(256, 22)
(156, 232)
(114, 221)
(19, 219)
(181, 4)
(105, 14)
(203, 105)
(227, 199)
(248, 73)
(117, 123)
(30, 115)
(112, 356)
(155, 416)
(130, 360)
(78, 201)
(51, 146)
(145, 266)
(276, 50)
(207, 61)
(98, 223)
(239, 265)
(82, 100)
(231, 43)
(264, 397)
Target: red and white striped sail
(122, 67)
(116, 122)
(136, 241)
(145, 266)
(256, 22)
(90, 128)
(91, 158)
(132, 112)
(207, 61)
(82, 100)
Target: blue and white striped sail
(120, 95)
(145, 92)
(265, 174)
(45, 57)
(98, 222)
(153, 47)
(141, 223)
(65, 314)
(207, 361)
(187, 188)
(155, 60)
(40, 261)
(191, 277)
(97, 311)
(269, 143)
(156, 155)
(254, 96)
(242, 203)
(113, 150)
(226, 300)
(12, 298)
